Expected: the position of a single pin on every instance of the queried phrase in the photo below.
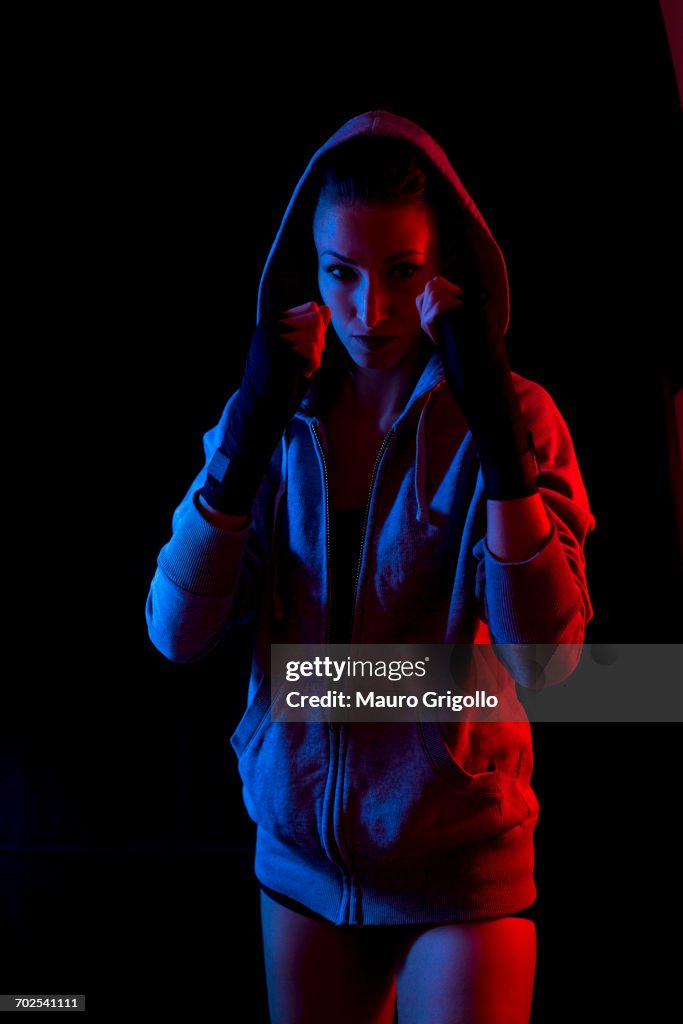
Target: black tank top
(346, 527)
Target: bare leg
(317, 972)
(480, 973)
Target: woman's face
(374, 259)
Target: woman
(381, 475)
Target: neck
(380, 395)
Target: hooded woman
(381, 475)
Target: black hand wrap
(272, 387)
(478, 372)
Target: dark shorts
(300, 908)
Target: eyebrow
(396, 256)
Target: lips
(373, 339)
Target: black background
(157, 175)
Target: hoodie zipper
(365, 521)
(380, 453)
(336, 727)
(327, 531)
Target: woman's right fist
(284, 353)
(304, 329)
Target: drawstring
(282, 487)
(421, 465)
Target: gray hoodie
(388, 822)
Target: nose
(371, 304)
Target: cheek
(332, 296)
(327, 291)
(409, 308)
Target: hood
(289, 276)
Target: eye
(404, 270)
(343, 271)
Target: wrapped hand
(464, 331)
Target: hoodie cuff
(203, 558)
(530, 602)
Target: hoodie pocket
(444, 761)
(506, 767)
(475, 798)
(254, 716)
(283, 766)
(519, 800)
(407, 795)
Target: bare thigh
(479, 973)
(318, 972)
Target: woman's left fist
(439, 295)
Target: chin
(382, 358)
(379, 361)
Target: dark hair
(374, 168)
(378, 168)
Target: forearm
(517, 527)
(272, 387)
(480, 379)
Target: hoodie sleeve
(543, 600)
(208, 579)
